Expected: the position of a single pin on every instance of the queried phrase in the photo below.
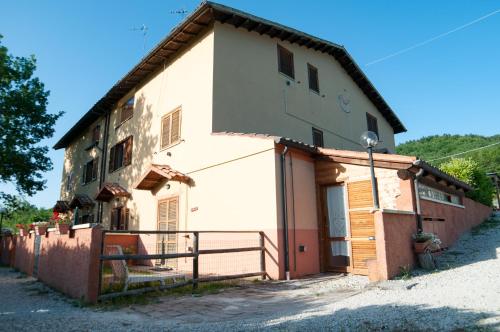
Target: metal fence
(134, 262)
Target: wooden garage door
(362, 225)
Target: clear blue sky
(449, 86)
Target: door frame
(324, 238)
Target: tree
(470, 172)
(16, 210)
(24, 123)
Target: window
(312, 73)
(127, 110)
(120, 155)
(90, 171)
(170, 129)
(371, 123)
(317, 137)
(69, 180)
(437, 195)
(96, 134)
(285, 62)
(119, 218)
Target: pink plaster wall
(7, 250)
(68, 263)
(24, 257)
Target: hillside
(438, 146)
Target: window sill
(442, 202)
(315, 92)
(286, 76)
(87, 183)
(119, 168)
(121, 123)
(170, 146)
(91, 146)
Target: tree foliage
(24, 123)
(470, 172)
(15, 210)
(438, 146)
(469, 167)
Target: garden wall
(68, 262)
(7, 250)
(394, 231)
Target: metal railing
(219, 255)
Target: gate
(38, 241)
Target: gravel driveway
(463, 295)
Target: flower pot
(419, 247)
(23, 232)
(62, 228)
(40, 230)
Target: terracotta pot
(419, 247)
(62, 228)
(40, 230)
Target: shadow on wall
(387, 317)
(145, 146)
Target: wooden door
(336, 229)
(168, 220)
(362, 226)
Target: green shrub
(469, 171)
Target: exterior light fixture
(369, 140)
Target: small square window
(317, 137)
(313, 78)
(285, 62)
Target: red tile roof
(157, 174)
(110, 190)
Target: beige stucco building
(158, 151)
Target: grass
(404, 273)
(485, 225)
(155, 296)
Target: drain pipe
(102, 177)
(418, 176)
(285, 211)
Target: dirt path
(464, 294)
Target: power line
(457, 154)
(430, 40)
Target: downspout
(285, 212)
(418, 211)
(102, 177)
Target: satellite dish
(345, 102)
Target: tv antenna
(181, 12)
(144, 29)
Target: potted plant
(23, 231)
(63, 225)
(421, 241)
(41, 227)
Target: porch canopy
(158, 174)
(81, 201)
(61, 207)
(110, 191)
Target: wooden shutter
(96, 134)
(165, 131)
(313, 77)
(95, 167)
(114, 219)
(285, 62)
(168, 220)
(124, 218)
(112, 159)
(175, 135)
(361, 218)
(127, 151)
(127, 110)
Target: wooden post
(262, 256)
(195, 259)
(99, 282)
